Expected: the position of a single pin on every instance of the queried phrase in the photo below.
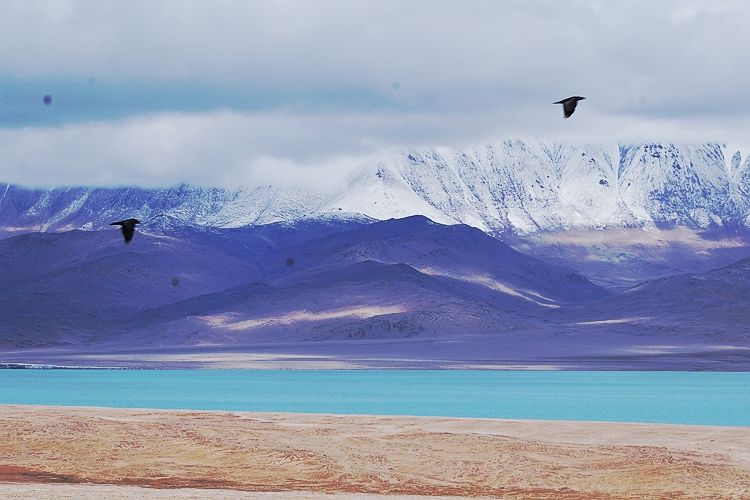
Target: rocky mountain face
(328, 281)
(85, 208)
(526, 187)
(519, 187)
(381, 273)
(399, 293)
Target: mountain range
(514, 186)
(398, 293)
(519, 254)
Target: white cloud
(316, 150)
(467, 71)
(223, 149)
(544, 48)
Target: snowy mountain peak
(513, 185)
(525, 186)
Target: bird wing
(127, 232)
(568, 108)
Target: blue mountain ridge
(402, 293)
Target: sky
(227, 93)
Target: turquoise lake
(665, 397)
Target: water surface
(666, 397)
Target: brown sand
(362, 454)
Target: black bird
(128, 228)
(569, 105)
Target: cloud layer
(292, 91)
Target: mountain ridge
(513, 186)
(398, 293)
(85, 286)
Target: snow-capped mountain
(90, 208)
(512, 186)
(526, 187)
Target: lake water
(665, 397)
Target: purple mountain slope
(394, 279)
(696, 307)
(72, 286)
(89, 284)
(401, 293)
(58, 287)
(619, 259)
(366, 300)
(457, 252)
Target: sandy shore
(52, 452)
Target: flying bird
(569, 105)
(128, 228)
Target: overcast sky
(220, 92)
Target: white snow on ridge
(528, 186)
(514, 185)
(380, 193)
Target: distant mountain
(392, 279)
(397, 293)
(526, 187)
(514, 186)
(75, 286)
(23, 210)
(379, 273)
(707, 307)
(389, 280)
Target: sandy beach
(54, 452)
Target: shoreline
(303, 366)
(302, 454)
(406, 354)
(293, 414)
